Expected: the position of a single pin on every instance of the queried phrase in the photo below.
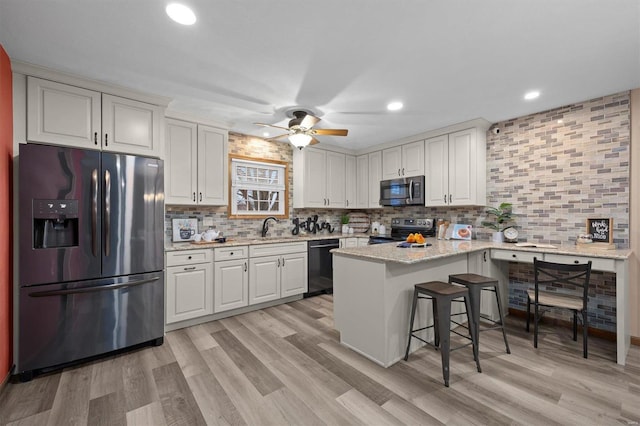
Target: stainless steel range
(401, 227)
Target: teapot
(210, 234)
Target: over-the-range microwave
(407, 191)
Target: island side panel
(358, 305)
(399, 283)
(372, 302)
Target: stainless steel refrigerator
(91, 254)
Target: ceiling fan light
(299, 140)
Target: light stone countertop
(390, 252)
(234, 242)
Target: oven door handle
(91, 289)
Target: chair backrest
(575, 275)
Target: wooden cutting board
(360, 222)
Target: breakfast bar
(373, 286)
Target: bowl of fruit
(416, 240)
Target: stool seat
(476, 283)
(472, 279)
(440, 288)
(441, 295)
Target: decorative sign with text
(601, 230)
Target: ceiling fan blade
(309, 121)
(330, 132)
(271, 125)
(314, 141)
(277, 137)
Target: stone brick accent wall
(562, 166)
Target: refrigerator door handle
(107, 212)
(94, 212)
(91, 289)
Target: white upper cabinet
(336, 180)
(63, 114)
(213, 178)
(413, 159)
(195, 164)
(319, 178)
(130, 126)
(351, 185)
(437, 178)
(375, 176)
(391, 163)
(456, 169)
(362, 182)
(403, 161)
(181, 162)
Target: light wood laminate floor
(285, 365)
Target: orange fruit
(411, 238)
(419, 239)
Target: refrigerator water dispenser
(55, 223)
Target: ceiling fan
(301, 132)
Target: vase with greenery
(344, 220)
(502, 218)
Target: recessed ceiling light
(265, 134)
(531, 95)
(560, 121)
(181, 14)
(394, 106)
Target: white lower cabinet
(231, 285)
(231, 282)
(189, 285)
(205, 282)
(277, 271)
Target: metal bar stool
(441, 295)
(477, 283)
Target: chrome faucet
(265, 225)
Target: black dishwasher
(321, 266)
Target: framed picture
(461, 232)
(601, 230)
(184, 229)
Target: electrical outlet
(207, 221)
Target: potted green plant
(502, 217)
(344, 220)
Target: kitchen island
(373, 286)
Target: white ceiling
(252, 60)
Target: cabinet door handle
(445, 198)
(450, 199)
(278, 263)
(194, 197)
(403, 171)
(514, 256)
(398, 172)
(106, 139)
(576, 261)
(95, 138)
(201, 196)
(328, 202)
(190, 268)
(189, 257)
(283, 262)
(484, 255)
(347, 203)
(245, 266)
